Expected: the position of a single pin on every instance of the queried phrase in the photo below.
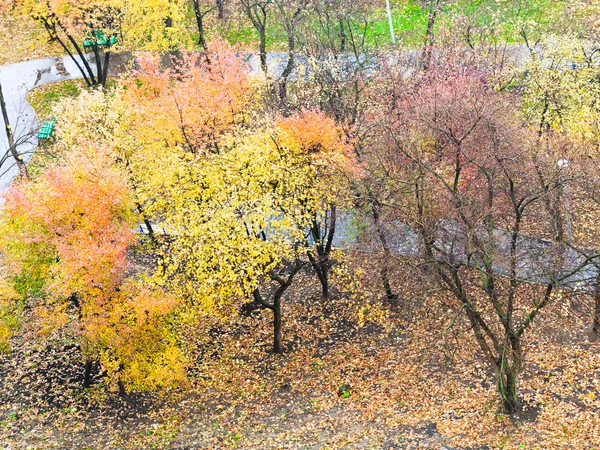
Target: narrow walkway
(17, 80)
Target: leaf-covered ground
(398, 377)
(22, 39)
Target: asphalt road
(17, 80)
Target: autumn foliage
(66, 236)
(80, 214)
(450, 170)
(139, 25)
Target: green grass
(410, 22)
(244, 34)
(43, 99)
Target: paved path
(17, 80)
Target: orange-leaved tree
(65, 241)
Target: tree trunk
(200, 24)
(51, 29)
(284, 284)
(147, 222)
(263, 48)
(290, 24)
(105, 70)
(122, 390)
(508, 370)
(429, 33)
(11, 139)
(277, 335)
(321, 263)
(385, 279)
(596, 326)
(507, 388)
(87, 374)
(221, 9)
(98, 59)
(75, 45)
(321, 268)
(324, 282)
(257, 13)
(288, 69)
(101, 69)
(342, 36)
(385, 270)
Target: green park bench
(98, 37)
(46, 129)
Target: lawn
(43, 98)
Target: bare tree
(473, 202)
(258, 13)
(12, 145)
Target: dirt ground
(395, 376)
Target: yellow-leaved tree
(562, 102)
(98, 26)
(245, 196)
(242, 219)
(561, 89)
